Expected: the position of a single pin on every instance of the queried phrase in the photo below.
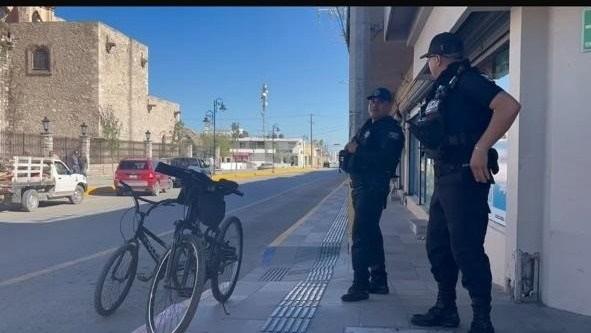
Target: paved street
(51, 258)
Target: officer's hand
(352, 147)
(479, 165)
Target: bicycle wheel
(116, 278)
(228, 255)
(175, 294)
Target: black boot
(378, 283)
(444, 313)
(481, 322)
(356, 293)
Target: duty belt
(442, 169)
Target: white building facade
(539, 235)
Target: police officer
(371, 159)
(475, 113)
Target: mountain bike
(195, 255)
(120, 270)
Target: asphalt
(49, 268)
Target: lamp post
(148, 144)
(47, 143)
(273, 129)
(218, 105)
(45, 122)
(84, 147)
(264, 104)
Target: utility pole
(311, 144)
(265, 103)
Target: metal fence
(101, 152)
(12, 144)
(64, 147)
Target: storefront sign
(586, 33)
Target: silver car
(191, 163)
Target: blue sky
(199, 53)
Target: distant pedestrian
(75, 163)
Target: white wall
(441, 19)
(567, 225)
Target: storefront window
(498, 68)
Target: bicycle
(195, 256)
(122, 272)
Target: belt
(442, 169)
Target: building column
(189, 149)
(46, 144)
(148, 148)
(85, 148)
(526, 151)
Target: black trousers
(458, 219)
(367, 250)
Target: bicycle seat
(226, 187)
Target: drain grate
(274, 274)
(294, 313)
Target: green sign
(587, 30)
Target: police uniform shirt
(466, 108)
(379, 146)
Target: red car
(140, 175)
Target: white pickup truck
(27, 180)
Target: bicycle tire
(130, 277)
(219, 294)
(197, 288)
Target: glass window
(61, 169)
(497, 66)
(41, 59)
(133, 165)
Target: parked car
(326, 165)
(140, 175)
(191, 163)
(27, 180)
(265, 166)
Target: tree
(177, 132)
(110, 130)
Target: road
(51, 261)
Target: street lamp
(273, 129)
(148, 134)
(45, 123)
(83, 129)
(218, 105)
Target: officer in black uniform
(371, 159)
(464, 115)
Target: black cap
(381, 93)
(445, 44)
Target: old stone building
(75, 72)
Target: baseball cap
(381, 93)
(445, 44)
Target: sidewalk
(302, 276)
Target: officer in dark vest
(371, 159)
(463, 116)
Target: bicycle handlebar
(194, 177)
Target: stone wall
(5, 52)
(160, 119)
(123, 80)
(68, 94)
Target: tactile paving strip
(294, 313)
(274, 274)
